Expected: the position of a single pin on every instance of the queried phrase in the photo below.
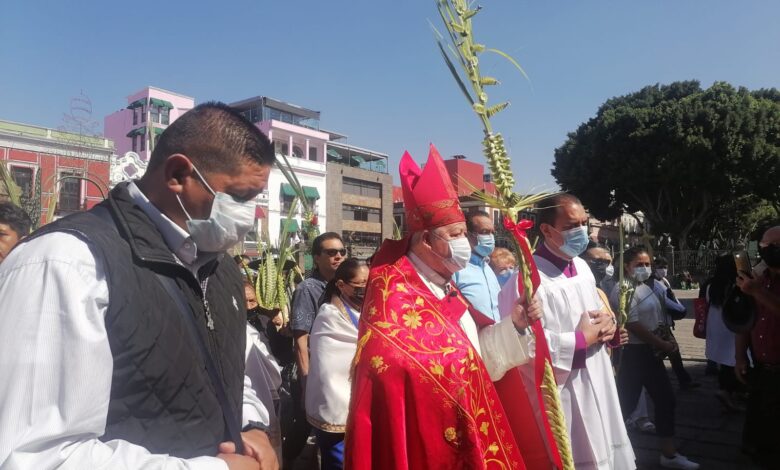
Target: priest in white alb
(578, 326)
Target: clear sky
(372, 68)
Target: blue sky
(372, 67)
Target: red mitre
(430, 200)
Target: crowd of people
(131, 340)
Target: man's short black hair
(316, 245)
(470, 216)
(660, 261)
(547, 208)
(216, 138)
(16, 218)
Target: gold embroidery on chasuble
(444, 212)
(421, 334)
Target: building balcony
(356, 157)
(303, 164)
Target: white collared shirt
(56, 364)
(177, 239)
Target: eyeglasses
(331, 252)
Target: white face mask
(460, 253)
(642, 273)
(229, 222)
(660, 273)
(610, 270)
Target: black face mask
(358, 294)
(770, 254)
(599, 268)
(252, 313)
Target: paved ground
(705, 433)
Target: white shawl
(332, 344)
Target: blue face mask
(485, 245)
(574, 241)
(504, 276)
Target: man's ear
(545, 230)
(426, 238)
(177, 169)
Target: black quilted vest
(161, 396)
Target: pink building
(148, 112)
(295, 133)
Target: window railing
(378, 166)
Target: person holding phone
(763, 342)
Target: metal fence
(690, 266)
(698, 265)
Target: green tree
(733, 223)
(677, 153)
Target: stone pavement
(705, 433)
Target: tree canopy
(679, 154)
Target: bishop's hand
(523, 315)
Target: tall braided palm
(461, 53)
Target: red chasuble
(421, 397)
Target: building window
(254, 114)
(23, 177)
(142, 139)
(281, 147)
(361, 214)
(70, 193)
(135, 116)
(497, 219)
(143, 113)
(399, 222)
(363, 239)
(154, 111)
(362, 188)
(134, 139)
(313, 154)
(287, 202)
(165, 116)
(297, 152)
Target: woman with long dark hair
(720, 340)
(642, 361)
(332, 345)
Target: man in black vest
(123, 328)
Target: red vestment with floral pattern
(421, 397)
